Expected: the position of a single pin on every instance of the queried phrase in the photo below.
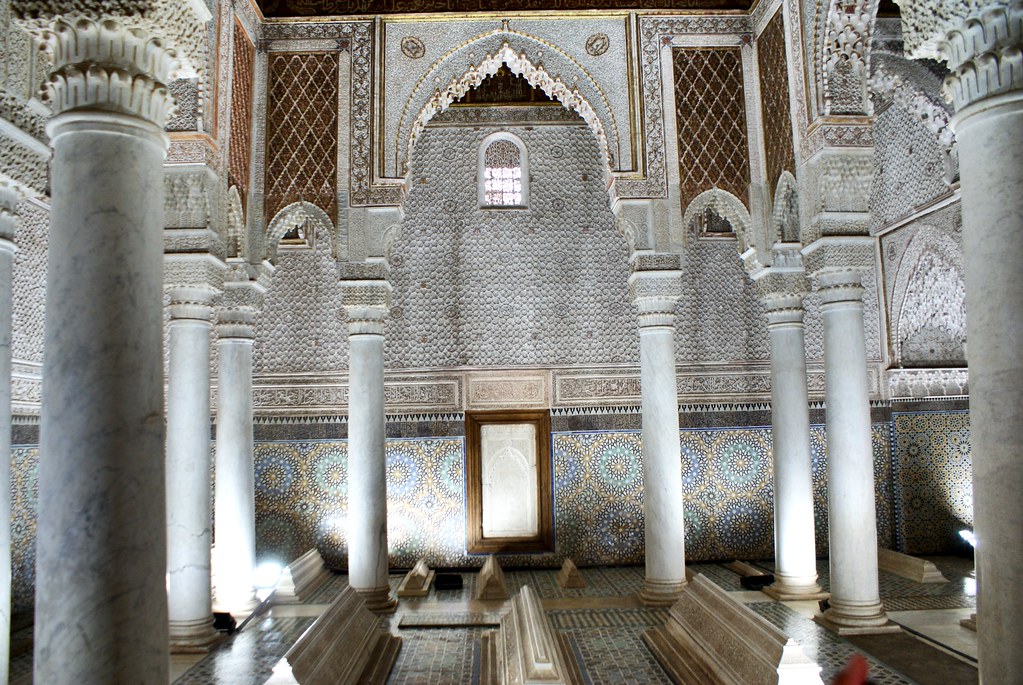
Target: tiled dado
(302, 487)
(933, 476)
(921, 463)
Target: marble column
(982, 46)
(9, 198)
(366, 305)
(852, 517)
(655, 291)
(234, 491)
(188, 469)
(101, 559)
(794, 544)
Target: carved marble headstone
(344, 645)
(526, 648)
(709, 638)
(913, 568)
(417, 581)
(490, 584)
(569, 576)
(301, 578)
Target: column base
(192, 637)
(240, 607)
(847, 618)
(660, 593)
(795, 590)
(378, 600)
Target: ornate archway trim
(533, 72)
(294, 215)
(729, 208)
(926, 238)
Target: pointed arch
(785, 210)
(583, 96)
(237, 243)
(940, 255)
(729, 208)
(299, 214)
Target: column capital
(10, 197)
(366, 304)
(782, 295)
(979, 39)
(244, 288)
(841, 253)
(191, 302)
(655, 285)
(105, 65)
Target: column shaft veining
(852, 517)
(101, 602)
(782, 291)
(366, 305)
(189, 509)
(654, 284)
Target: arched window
(503, 172)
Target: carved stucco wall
(909, 166)
(925, 291)
(536, 287)
(301, 326)
(29, 289)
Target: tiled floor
(604, 623)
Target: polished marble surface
(604, 622)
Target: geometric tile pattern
(437, 657)
(774, 98)
(933, 479)
(301, 497)
(240, 143)
(711, 111)
(301, 131)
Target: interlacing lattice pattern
(301, 135)
(774, 96)
(711, 111)
(240, 145)
(502, 174)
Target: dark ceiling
(311, 8)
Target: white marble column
(9, 198)
(234, 491)
(101, 565)
(366, 305)
(794, 545)
(655, 292)
(852, 517)
(189, 509)
(982, 49)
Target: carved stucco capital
(193, 302)
(838, 266)
(655, 285)
(245, 286)
(366, 304)
(980, 40)
(177, 27)
(10, 196)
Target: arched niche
(541, 64)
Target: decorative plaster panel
(29, 287)
(711, 115)
(542, 286)
(239, 146)
(774, 95)
(301, 132)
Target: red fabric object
(855, 673)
